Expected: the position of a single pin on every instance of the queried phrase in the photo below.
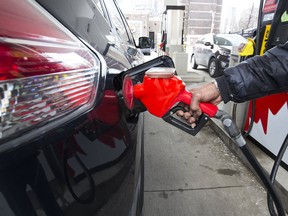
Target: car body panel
(90, 162)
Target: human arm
(254, 78)
(206, 93)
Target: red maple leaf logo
(273, 103)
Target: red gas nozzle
(159, 92)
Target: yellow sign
(265, 39)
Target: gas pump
(172, 39)
(267, 118)
(172, 29)
(269, 115)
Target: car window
(222, 41)
(99, 7)
(83, 17)
(117, 20)
(128, 29)
(230, 40)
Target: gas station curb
(219, 130)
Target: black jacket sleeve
(256, 77)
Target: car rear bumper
(118, 184)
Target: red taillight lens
(127, 91)
(45, 72)
(21, 59)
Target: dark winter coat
(256, 77)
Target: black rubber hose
(252, 119)
(91, 196)
(264, 178)
(274, 173)
(233, 131)
(234, 112)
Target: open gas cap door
(125, 81)
(137, 73)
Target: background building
(144, 25)
(204, 16)
(238, 15)
(143, 17)
(201, 17)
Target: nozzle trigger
(168, 117)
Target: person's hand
(205, 93)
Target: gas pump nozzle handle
(208, 111)
(207, 108)
(160, 92)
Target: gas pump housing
(270, 117)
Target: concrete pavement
(186, 175)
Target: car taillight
(45, 71)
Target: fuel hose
(233, 131)
(265, 179)
(253, 105)
(274, 173)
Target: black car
(213, 52)
(68, 145)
